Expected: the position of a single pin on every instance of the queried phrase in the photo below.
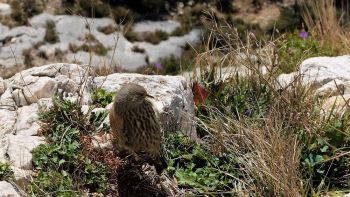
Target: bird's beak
(149, 96)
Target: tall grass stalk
(272, 143)
(323, 19)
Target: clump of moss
(6, 172)
(132, 36)
(51, 35)
(91, 45)
(107, 29)
(155, 37)
(22, 10)
(138, 49)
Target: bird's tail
(160, 164)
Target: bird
(135, 127)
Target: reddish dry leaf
(199, 94)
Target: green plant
(293, 49)
(54, 183)
(101, 98)
(320, 161)
(67, 154)
(196, 167)
(171, 65)
(5, 171)
(100, 50)
(98, 117)
(51, 35)
(95, 176)
(56, 156)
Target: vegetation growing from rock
(67, 164)
(23, 10)
(90, 45)
(50, 34)
(256, 137)
(6, 172)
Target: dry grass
(269, 146)
(322, 19)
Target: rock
(151, 26)
(2, 86)
(20, 174)
(6, 100)
(321, 70)
(85, 109)
(40, 87)
(11, 56)
(3, 148)
(172, 46)
(119, 51)
(172, 98)
(19, 150)
(27, 120)
(45, 104)
(330, 76)
(5, 9)
(336, 104)
(7, 189)
(7, 121)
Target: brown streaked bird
(135, 126)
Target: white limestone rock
(19, 150)
(5, 9)
(27, 120)
(150, 26)
(329, 75)
(7, 189)
(321, 70)
(21, 38)
(45, 104)
(7, 121)
(6, 100)
(2, 86)
(173, 98)
(336, 104)
(40, 87)
(3, 148)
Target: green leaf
(318, 158)
(324, 149)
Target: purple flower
(158, 65)
(248, 112)
(303, 34)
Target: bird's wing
(116, 123)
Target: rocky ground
(90, 44)
(25, 94)
(27, 43)
(107, 45)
